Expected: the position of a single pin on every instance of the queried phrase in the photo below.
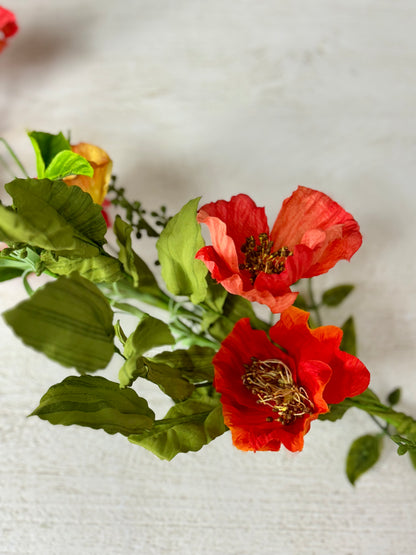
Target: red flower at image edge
(310, 235)
(270, 394)
(8, 26)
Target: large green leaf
(69, 320)
(150, 333)
(95, 402)
(187, 426)
(99, 269)
(49, 203)
(68, 163)
(363, 454)
(177, 246)
(133, 265)
(47, 146)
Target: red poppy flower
(272, 389)
(8, 26)
(310, 235)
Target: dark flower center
(272, 382)
(258, 256)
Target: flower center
(272, 382)
(259, 258)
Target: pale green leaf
(133, 265)
(150, 333)
(177, 246)
(68, 163)
(47, 146)
(194, 364)
(169, 379)
(69, 320)
(99, 269)
(95, 402)
(187, 426)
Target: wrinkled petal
(313, 219)
(97, 185)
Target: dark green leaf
(95, 402)
(394, 396)
(235, 308)
(70, 321)
(300, 302)
(336, 412)
(348, 343)
(363, 454)
(7, 273)
(187, 426)
(177, 246)
(150, 333)
(68, 163)
(412, 455)
(335, 295)
(47, 146)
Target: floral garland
(221, 365)
(8, 26)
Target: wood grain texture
(216, 98)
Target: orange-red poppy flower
(8, 26)
(273, 388)
(97, 185)
(310, 235)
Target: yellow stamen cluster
(272, 382)
(260, 258)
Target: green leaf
(187, 426)
(68, 163)
(95, 402)
(300, 302)
(235, 308)
(335, 295)
(99, 269)
(195, 363)
(150, 333)
(394, 396)
(69, 320)
(51, 216)
(336, 412)
(167, 378)
(133, 265)
(363, 454)
(177, 246)
(47, 146)
(348, 343)
(7, 273)
(43, 202)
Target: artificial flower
(310, 235)
(8, 26)
(97, 185)
(273, 388)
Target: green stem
(14, 156)
(313, 305)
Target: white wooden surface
(213, 98)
